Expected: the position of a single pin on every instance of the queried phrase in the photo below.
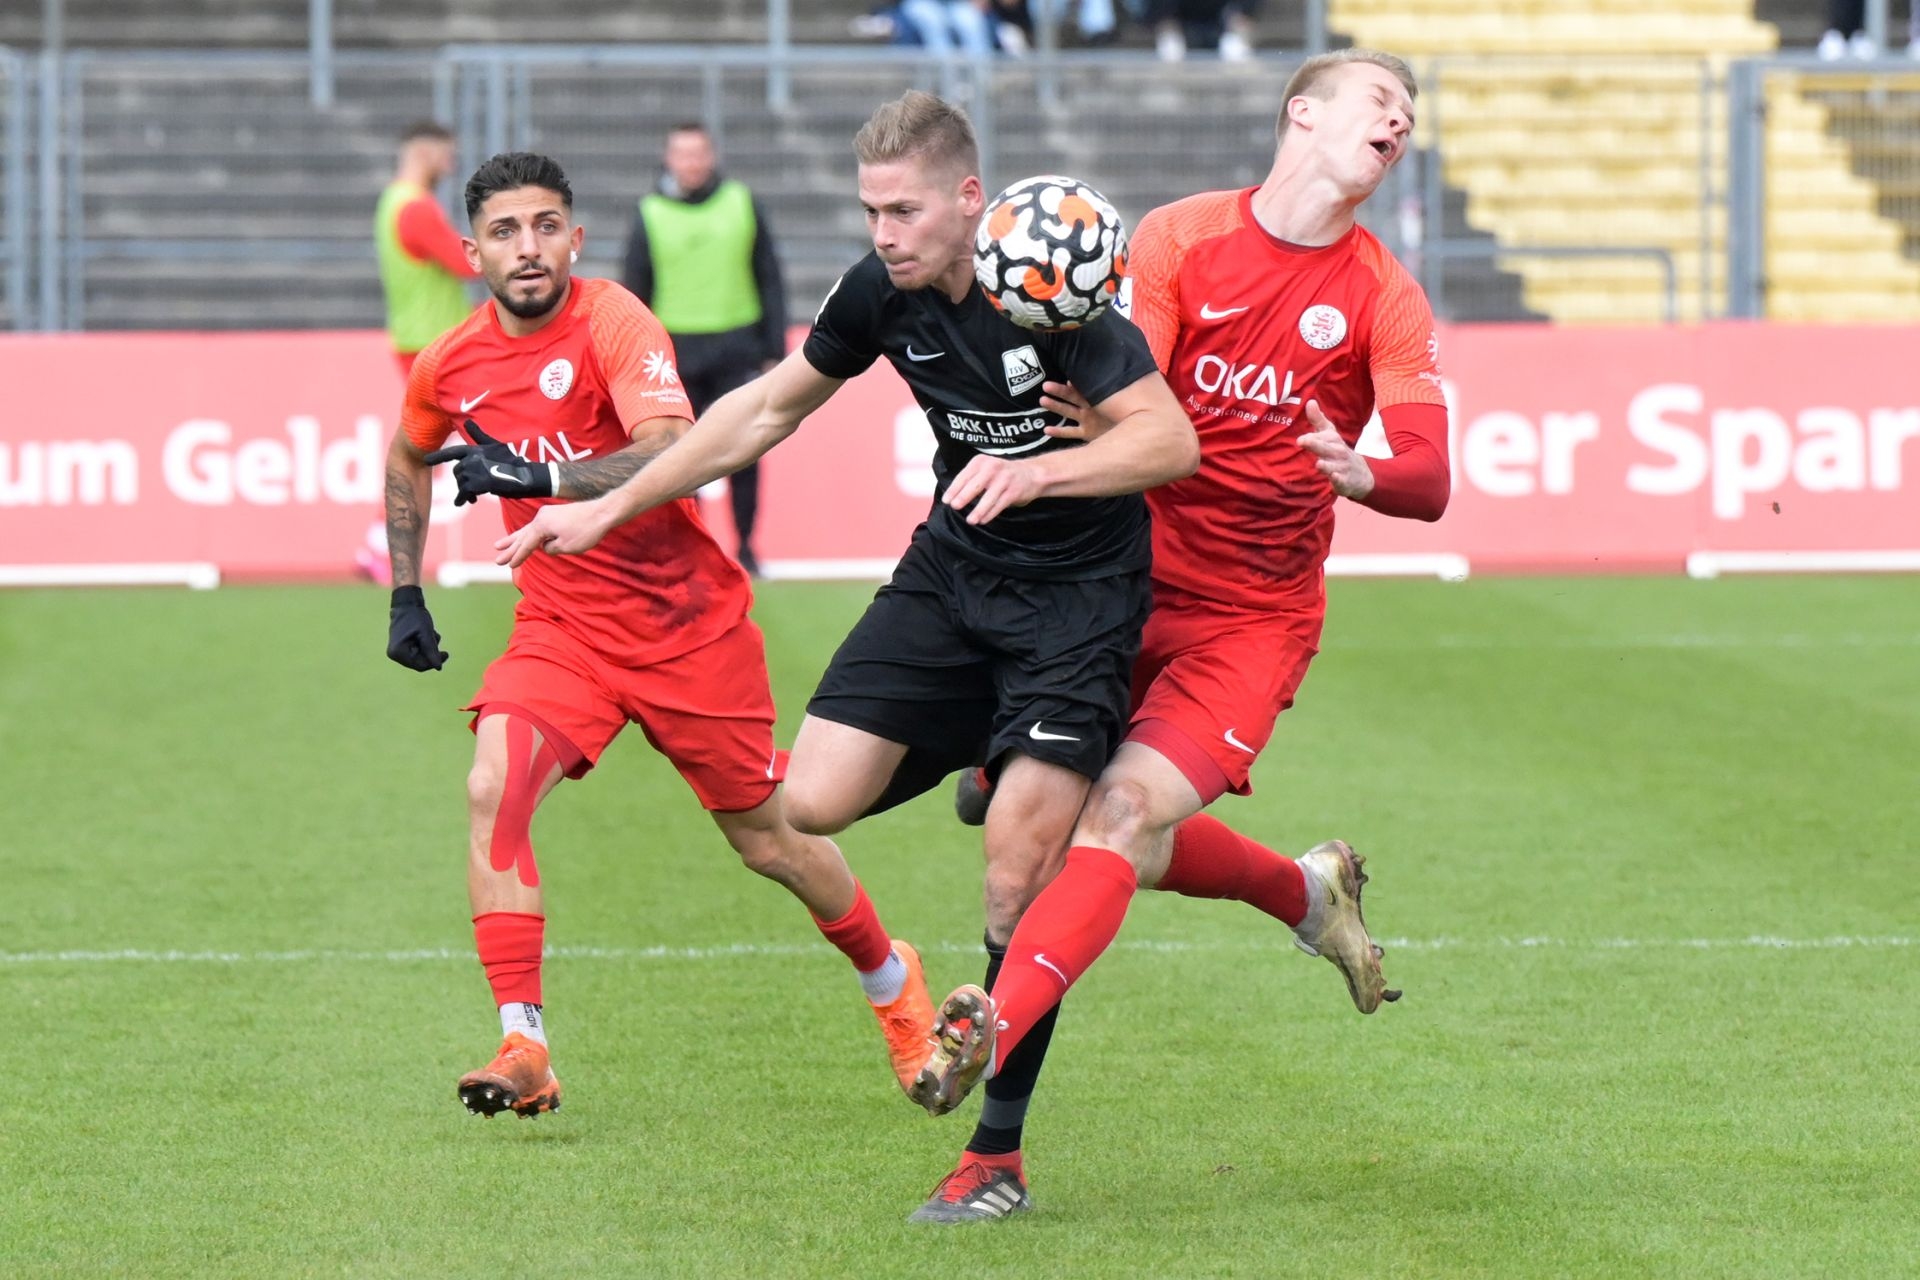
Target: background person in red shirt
(576, 380)
(1281, 325)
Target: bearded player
(651, 628)
(1281, 325)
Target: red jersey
(657, 586)
(1247, 329)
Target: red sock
(1072, 921)
(1212, 860)
(858, 933)
(1010, 1161)
(509, 943)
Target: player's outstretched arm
(740, 427)
(491, 466)
(1149, 442)
(411, 639)
(595, 477)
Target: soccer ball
(1050, 253)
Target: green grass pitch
(1644, 856)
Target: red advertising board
(195, 457)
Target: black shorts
(963, 664)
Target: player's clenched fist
(411, 640)
(488, 466)
(1351, 476)
(558, 530)
(997, 483)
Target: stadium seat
(1601, 135)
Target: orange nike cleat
(908, 1021)
(518, 1080)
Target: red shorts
(1210, 683)
(709, 711)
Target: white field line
(1893, 640)
(759, 950)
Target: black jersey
(977, 376)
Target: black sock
(1004, 1114)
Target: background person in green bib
(423, 273)
(423, 266)
(702, 256)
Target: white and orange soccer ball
(1050, 253)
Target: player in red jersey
(1281, 325)
(651, 628)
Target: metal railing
(15, 97)
(1802, 224)
(1495, 194)
(104, 154)
(1446, 250)
(211, 166)
(1142, 132)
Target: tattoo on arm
(409, 495)
(597, 476)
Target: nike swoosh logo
(1208, 313)
(772, 760)
(466, 406)
(1235, 742)
(1040, 958)
(916, 356)
(1041, 735)
(498, 474)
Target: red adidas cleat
(977, 1191)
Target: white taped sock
(525, 1018)
(884, 985)
(1318, 901)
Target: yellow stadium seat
(1583, 122)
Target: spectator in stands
(946, 25)
(1094, 18)
(1177, 22)
(1847, 36)
(701, 254)
(423, 266)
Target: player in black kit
(1009, 629)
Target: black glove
(488, 466)
(411, 640)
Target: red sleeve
(421, 417)
(1416, 481)
(636, 358)
(1404, 352)
(1151, 293)
(426, 235)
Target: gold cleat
(963, 1038)
(1334, 877)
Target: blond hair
(1315, 76)
(919, 126)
